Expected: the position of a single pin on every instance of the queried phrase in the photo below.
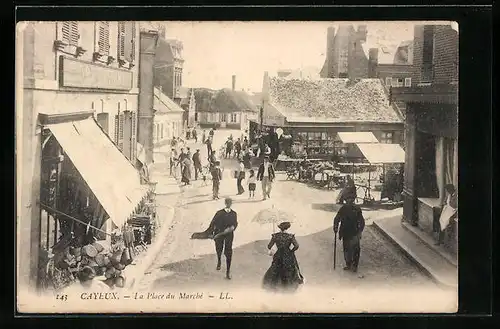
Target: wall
(172, 127)
(358, 62)
(445, 54)
(394, 71)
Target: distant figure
(196, 163)
(229, 148)
(216, 178)
(245, 143)
(195, 135)
(251, 184)
(173, 143)
(266, 175)
(203, 137)
(223, 226)
(186, 171)
(352, 223)
(247, 159)
(240, 178)
(349, 191)
(237, 148)
(209, 144)
(284, 273)
(173, 161)
(211, 132)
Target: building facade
(314, 111)
(78, 82)
(168, 66)
(228, 109)
(168, 119)
(431, 127)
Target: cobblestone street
(186, 263)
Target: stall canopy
(111, 177)
(379, 153)
(357, 137)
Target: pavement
(432, 260)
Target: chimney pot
(234, 83)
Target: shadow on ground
(379, 265)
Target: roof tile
(339, 100)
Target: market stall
(89, 194)
(383, 155)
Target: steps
(441, 267)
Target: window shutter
(103, 43)
(133, 138)
(117, 127)
(129, 41)
(121, 40)
(70, 33)
(121, 122)
(407, 82)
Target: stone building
(76, 117)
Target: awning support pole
(44, 206)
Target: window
(317, 143)
(126, 41)
(223, 117)
(407, 82)
(161, 131)
(70, 33)
(233, 117)
(398, 83)
(388, 81)
(103, 38)
(387, 137)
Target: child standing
(251, 184)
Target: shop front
(431, 155)
(89, 196)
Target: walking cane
(335, 251)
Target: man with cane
(352, 223)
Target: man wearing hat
(266, 176)
(222, 227)
(352, 223)
(196, 163)
(216, 178)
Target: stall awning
(357, 137)
(111, 177)
(379, 153)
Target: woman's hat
(284, 226)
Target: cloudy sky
(214, 51)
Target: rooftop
(163, 104)
(332, 100)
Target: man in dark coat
(237, 148)
(352, 223)
(229, 148)
(222, 227)
(196, 163)
(266, 176)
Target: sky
(214, 51)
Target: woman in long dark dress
(186, 171)
(284, 273)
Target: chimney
(372, 62)
(234, 83)
(362, 32)
(330, 50)
(161, 89)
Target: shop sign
(79, 74)
(273, 120)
